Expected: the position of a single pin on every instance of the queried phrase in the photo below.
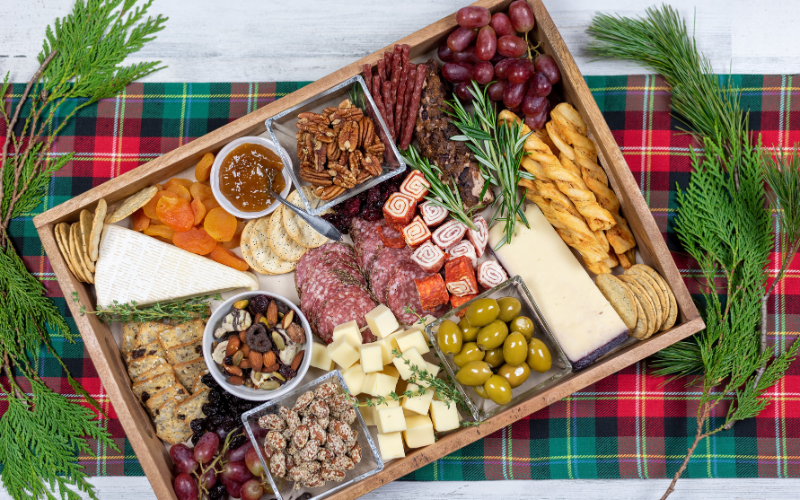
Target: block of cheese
(419, 431)
(444, 418)
(354, 378)
(371, 357)
(320, 358)
(343, 354)
(369, 412)
(413, 338)
(390, 419)
(389, 344)
(391, 446)
(418, 404)
(136, 267)
(580, 318)
(348, 331)
(414, 358)
(381, 321)
(379, 384)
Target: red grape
(510, 46)
(183, 458)
(521, 16)
(486, 46)
(206, 447)
(258, 432)
(512, 96)
(497, 58)
(233, 488)
(533, 104)
(461, 38)
(517, 111)
(253, 462)
(238, 454)
(236, 471)
(496, 90)
(536, 122)
(547, 65)
(462, 91)
(520, 71)
(502, 25)
(540, 85)
(209, 478)
(473, 17)
(252, 490)
(466, 56)
(444, 53)
(457, 72)
(483, 72)
(185, 487)
(502, 67)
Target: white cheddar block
(413, 339)
(320, 358)
(418, 404)
(349, 331)
(354, 378)
(391, 446)
(444, 418)
(419, 431)
(390, 420)
(371, 358)
(384, 384)
(381, 321)
(414, 357)
(343, 354)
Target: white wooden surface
(274, 40)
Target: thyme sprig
(444, 391)
(180, 311)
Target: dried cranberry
(351, 207)
(387, 191)
(258, 304)
(372, 214)
(197, 425)
(373, 196)
(287, 372)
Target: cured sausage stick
(387, 61)
(387, 104)
(397, 59)
(367, 71)
(398, 107)
(412, 111)
(382, 70)
(376, 96)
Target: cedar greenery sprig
(180, 311)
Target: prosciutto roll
(416, 233)
(415, 185)
(432, 214)
(448, 234)
(429, 257)
(491, 274)
(459, 276)
(480, 237)
(432, 292)
(399, 209)
(456, 301)
(464, 248)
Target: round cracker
(132, 204)
(279, 241)
(642, 326)
(65, 237)
(646, 301)
(662, 295)
(74, 248)
(83, 239)
(619, 297)
(245, 248)
(64, 248)
(263, 254)
(649, 288)
(672, 315)
(87, 218)
(298, 229)
(97, 229)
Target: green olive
(481, 391)
(482, 312)
(468, 332)
(515, 349)
(492, 335)
(509, 308)
(469, 352)
(523, 325)
(498, 389)
(474, 373)
(449, 337)
(494, 357)
(515, 375)
(539, 356)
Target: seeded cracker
(279, 241)
(672, 315)
(186, 372)
(198, 385)
(76, 254)
(130, 331)
(144, 365)
(145, 389)
(86, 233)
(185, 352)
(158, 400)
(262, 252)
(654, 297)
(619, 297)
(162, 369)
(168, 427)
(181, 334)
(298, 229)
(642, 326)
(97, 229)
(644, 299)
(151, 349)
(247, 253)
(148, 333)
(132, 204)
(64, 248)
(191, 408)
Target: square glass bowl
(480, 408)
(370, 464)
(283, 129)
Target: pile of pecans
(338, 149)
(313, 442)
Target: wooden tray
(105, 352)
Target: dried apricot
(195, 240)
(220, 224)
(228, 258)
(233, 243)
(199, 211)
(183, 182)
(181, 191)
(140, 220)
(203, 169)
(175, 213)
(210, 203)
(160, 230)
(159, 186)
(150, 207)
(201, 191)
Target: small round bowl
(242, 391)
(215, 176)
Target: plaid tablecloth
(629, 425)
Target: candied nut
(272, 313)
(343, 462)
(271, 422)
(236, 380)
(325, 455)
(268, 452)
(298, 474)
(340, 403)
(336, 444)
(257, 359)
(287, 434)
(275, 440)
(233, 346)
(234, 370)
(315, 431)
(349, 415)
(298, 358)
(355, 453)
(323, 422)
(319, 409)
(284, 412)
(304, 400)
(241, 304)
(309, 451)
(287, 319)
(326, 390)
(277, 464)
(330, 474)
(292, 420)
(300, 437)
(296, 333)
(342, 429)
(351, 440)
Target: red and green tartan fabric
(629, 425)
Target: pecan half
(309, 174)
(348, 137)
(371, 164)
(329, 192)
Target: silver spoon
(319, 224)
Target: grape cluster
(368, 204)
(486, 48)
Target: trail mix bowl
(257, 345)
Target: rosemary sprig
(444, 192)
(179, 311)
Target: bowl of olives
(498, 349)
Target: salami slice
(330, 261)
(385, 265)
(369, 247)
(326, 283)
(402, 292)
(306, 261)
(336, 312)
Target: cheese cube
(371, 358)
(390, 420)
(354, 378)
(419, 404)
(385, 384)
(349, 331)
(369, 384)
(387, 403)
(421, 326)
(369, 412)
(391, 446)
(433, 370)
(419, 431)
(414, 357)
(444, 418)
(391, 371)
(342, 353)
(413, 339)
(381, 321)
(320, 358)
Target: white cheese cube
(421, 326)
(381, 321)
(391, 445)
(354, 378)
(349, 331)
(369, 384)
(343, 354)
(418, 404)
(320, 358)
(384, 384)
(390, 420)
(369, 412)
(414, 357)
(391, 371)
(444, 418)
(419, 431)
(433, 370)
(413, 339)
(371, 358)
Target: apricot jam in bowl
(243, 174)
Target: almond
(241, 335)
(245, 350)
(245, 363)
(257, 318)
(273, 368)
(256, 360)
(298, 358)
(233, 346)
(236, 380)
(234, 370)
(272, 313)
(287, 319)
(269, 359)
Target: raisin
(287, 372)
(209, 381)
(197, 424)
(228, 361)
(216, 419)
(237, 441)
(196, 437)
(209, 409)
(217, 492)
